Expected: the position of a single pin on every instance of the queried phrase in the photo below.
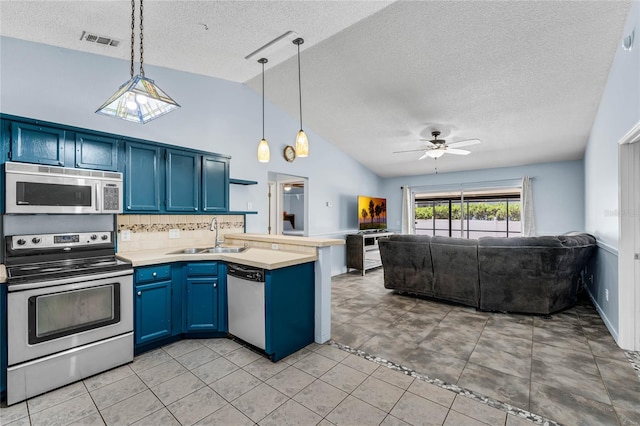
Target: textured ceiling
(524, 77)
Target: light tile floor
(566, 368)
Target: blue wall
(558, 192)
(66, 86)
(619, 111)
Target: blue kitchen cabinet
(205, 297)
(215, 184)
(153, 303)
(142, 177)
(3, 339)
(182, 170)
(96, 152)
(33, 143)
(289, 309)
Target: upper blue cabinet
(96, 152)
(215, 184)
(142, 177)
(182, 180)
(158, 178)
(32, 143)
(162, 180)
(40, 144)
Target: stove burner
(64, 268)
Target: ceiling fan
(436, 148)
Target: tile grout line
(518, 412)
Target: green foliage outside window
(477, 211)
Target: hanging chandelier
(302, 143)
(263, 147)
(138, 100)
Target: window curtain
(528, 220)
(408, 222)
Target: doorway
(288, 204)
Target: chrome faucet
(214, 227)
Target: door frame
(629, 240)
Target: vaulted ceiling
(524, 77)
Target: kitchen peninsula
(269, 252)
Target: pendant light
(302, 143)
(263, 147)
(139, 99)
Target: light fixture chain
(299, 87)
(141, 40)
(263, 62)
(133, 28)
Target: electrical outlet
(249, 206)
(606, 294)
(275, 247)
(125, 235)
(174, 233)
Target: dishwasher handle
(247, 273)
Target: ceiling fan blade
(411, 150)
(425, 155)
(429, 143)
(457, 151)
(467, 142)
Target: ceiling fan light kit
(436, 148)
(138, 100)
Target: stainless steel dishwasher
(246, 309)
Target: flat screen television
(372, 213)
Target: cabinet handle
(154, 274)
(196, 209)
(139, 293)
(215, 285)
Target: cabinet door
(202, 304)
(142, 177)
(153, 311)
(37, 144)
(183, 176)
(96, 152)
(215, 184)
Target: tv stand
(362, 250)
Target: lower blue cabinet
(178, 298)
(153, 303)
(204, 307)
(153, 311)
(202, 304)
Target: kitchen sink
(186, 251)
(224, 250)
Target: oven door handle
(82, 279)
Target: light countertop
(3, 274)
(256, 257)
(287, 239)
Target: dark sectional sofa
(537, 275)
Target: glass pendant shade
(302, 144)
(436, 153)
(264, 155)
(138, 100)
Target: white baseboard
(604, 317)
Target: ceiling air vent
(99, 39)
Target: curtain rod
(471, 183)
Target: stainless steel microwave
(32, 188)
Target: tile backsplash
(152, 231)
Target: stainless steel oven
(32, 188)
(69, 310)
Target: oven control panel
(60, 240)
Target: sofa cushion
(407, 264)
(455, 270)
